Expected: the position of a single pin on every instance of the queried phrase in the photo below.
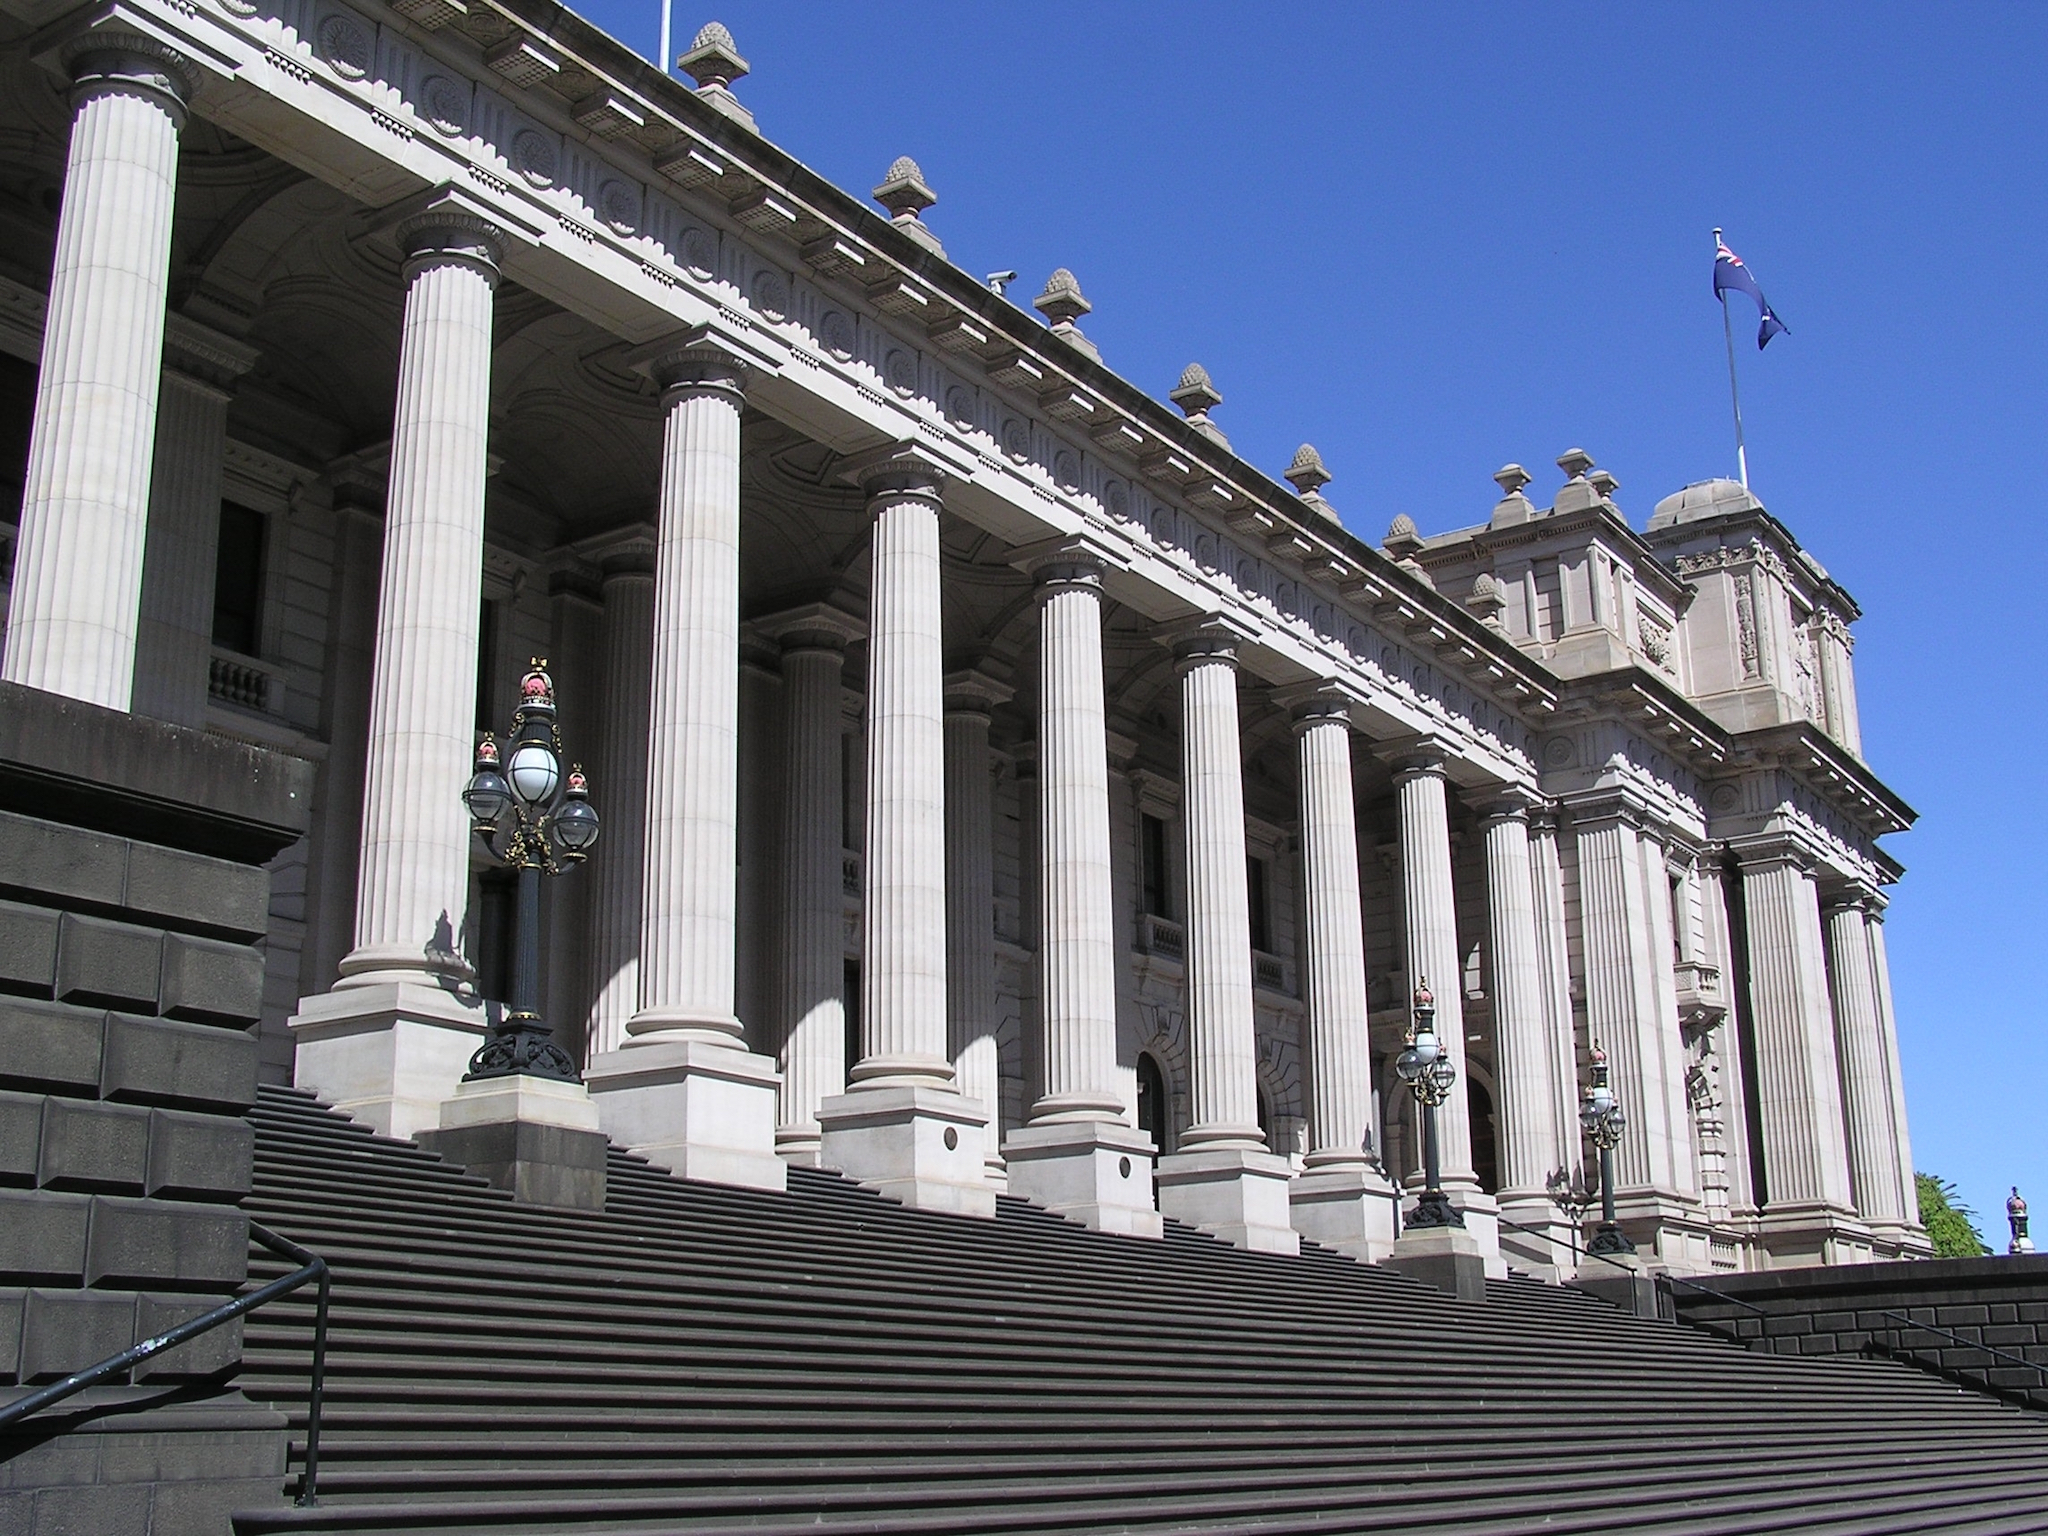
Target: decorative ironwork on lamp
(1425, 1066)
(536, 820)
(1602, 1116)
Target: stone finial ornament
(1486, 600)
(714, 63)
(1603, 482)
(1578, 493)
(1307, 474)
(1574, 462)
(1401, 539)
(1061, 303)
(2016, 1218)
(1511, 478)
(1196, 394)
(903, 190)
(1513, 506)
(713, 59)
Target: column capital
(622, 552)
(201, 353)
(446, 224)
(1071, 560)
(118, 59)
(1321, 702)
(1208, 637)
(1509, 802)
(1416, 757)
(970, 691)
(898, 472)
(1770, 851)
(810, 627)
(1854, 896)
(1604, 807)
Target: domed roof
(1703, 499)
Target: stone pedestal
(1350, 1207)
(700, 1108)
(534, 1136)
(1448, 1258)
(1619, 1278)
(1234, 1193)
(389, 1053)
(1096, 1172)
(924, 1147)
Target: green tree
(1951, 1225)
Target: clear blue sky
(1431, 240)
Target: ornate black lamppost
(1601, 1114)
(1425, 1066)
(532, 819)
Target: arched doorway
(1485, 1156)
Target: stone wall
(1872, 1308)
(133, 904)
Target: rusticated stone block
(94, 1146)
(21, 1134)
(160, 1061)
(210, 980)
(199, 1157)
(165, 1243)
(114, 965)
(191, 891)
(42, 1236)
(216, 1350)
(50, 1047)
(66, 1331)
(28, 948)
(13, 1299)
(68, 865)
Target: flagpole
(668, 11)
(1734, 394)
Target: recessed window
(1152, 858)
(1152, 1101)
(238, 579)
(1255, 890)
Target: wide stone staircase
(700, 1359)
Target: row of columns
(669, 1067)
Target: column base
(388, 1053)
(1449, 1258)
(1235, 1193)
(920, 1146)
(1795, 1237)
(1098, 1173)
(1350, 1208)
(701, 1110)
(1541, 1241)
(1890, 1240)
(534, 1136)
(797, 1145)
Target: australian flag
(1730, 273)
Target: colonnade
(911, 1114)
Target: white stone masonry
(619, 862)
(903, 1127)
(1866, 1089)
(1078, 1155)
(1222, 1177)
(970, 901)
(77, 592)
(1343, 1199)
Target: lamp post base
(1433, 1208)
(1447, 1257)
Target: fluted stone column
(1077, 1155)
(1222, 1178)
(1430, 904)
(76, 602)
(174, 650)
(904, 1127)
(1912, 1238)
(627, 642)
(393, 1038)
(812, 938)
(1866, 1086)
(1343, 1200)
(1524, 1055)
(970, 902)
(1729, 1047)
(1808, 1214)
(1560, 1045)
(683, 1089)
(1622, 1013)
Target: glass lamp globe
(576, 826)
(534, 772)
(1410, 1065)
(487, 796)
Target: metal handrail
(312, 1268)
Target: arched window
(1266, 1119)
(1152, 1117)
(1485, 1159)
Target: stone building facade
(1005, 785)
